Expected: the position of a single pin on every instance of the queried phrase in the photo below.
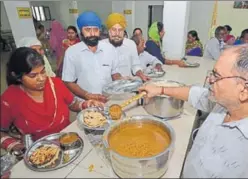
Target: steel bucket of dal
(135, 157)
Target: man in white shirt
(90, 64)
(129, 63)
(146, 59)
(220, 149)
(215, 45)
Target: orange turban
(116, 18)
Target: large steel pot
(164, 106)
(150, 167)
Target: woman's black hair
(160, 26)
(137, 28)
(194, 34)
(228, 28)
(21, 62)
(71, 27)
(243, 33)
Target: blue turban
(88, 18)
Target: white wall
(236, 18)
(141, 14)
(60, 10)
(103, 9)
(200, 18)
(139, 17)
(20, 27)
(120, 6)
(200, 14)
(4, 18)
(175, 28)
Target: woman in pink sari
(57, 36)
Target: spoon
(115, 110)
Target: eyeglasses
(215, 77)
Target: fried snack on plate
(45, 155)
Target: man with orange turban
(129, 62)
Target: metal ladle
(115, 110)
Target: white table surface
(94, 156)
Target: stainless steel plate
(192, 65)
(104, 112)
(122, 86)
(155, 74)
(83, 126)
(66, 156)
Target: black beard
(116, 44)
(91, 41)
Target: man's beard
(116, 42)
(91, 41)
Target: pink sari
(57, 36)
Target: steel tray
(191, 65)
(66, 156)
(122, 86)
(155, 74)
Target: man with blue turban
(90, 64)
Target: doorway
(155, 13)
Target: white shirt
(129, 62)
(91, 70)
(48, 67)
(212, 49)
(148, 59)
(220, 150)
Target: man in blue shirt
(243, 38)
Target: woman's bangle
(5, 138)
(84, 105)
(12, 145)
(8, 143)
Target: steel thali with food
(53, 152)
(100, 119)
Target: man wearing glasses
(215, 45)
(220, 149)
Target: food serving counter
(92, 162)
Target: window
(41, 13)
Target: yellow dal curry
(139, 140)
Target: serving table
(92, 163)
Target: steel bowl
(164, 106)
(70, 145)
(149, 167)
